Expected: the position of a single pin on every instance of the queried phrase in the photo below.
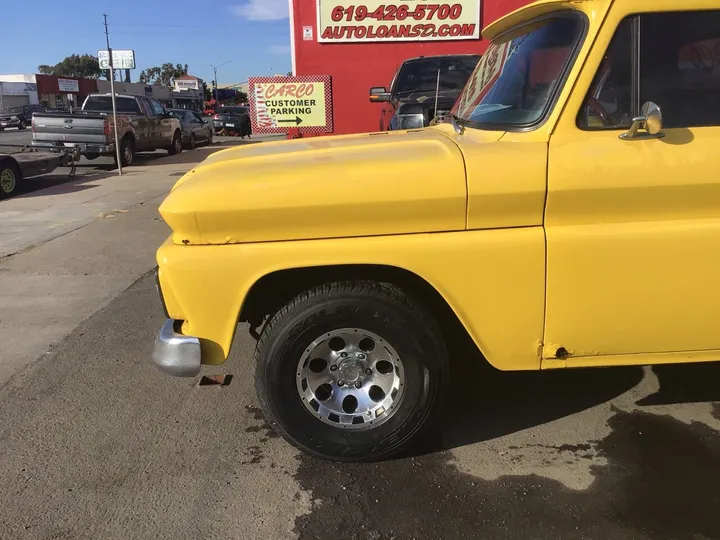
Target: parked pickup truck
(143, 125)
(566, 215)
(422, 90)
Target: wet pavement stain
(660, 482)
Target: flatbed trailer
(20, 162)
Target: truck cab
(423, 89)
(565, 215)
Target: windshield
(519, 73)
(422, 75)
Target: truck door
(166, 125)
(142, 126)
(163, 126)
(152, 124)
(633, 222)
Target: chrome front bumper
(176, 354)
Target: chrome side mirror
(650, 120)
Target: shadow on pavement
(690, 383)
(484, 403)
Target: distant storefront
(17, 90)
(63, 92)
(189, 93)
(158, 92)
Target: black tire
(193, 142)
(127, 152)
(10, 177)
(22, 125)
(176, 147)
(373, 307)
(91, 157)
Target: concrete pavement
(95, 443)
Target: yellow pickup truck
(566, 214)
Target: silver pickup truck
(143, 125)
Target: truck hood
(342, 186)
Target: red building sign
(360, 46)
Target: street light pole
(217, 90)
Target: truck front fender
(493, 280)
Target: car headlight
(13, 118)
(410, 121)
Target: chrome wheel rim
(351, 379)
(7, 181)
(128, 154)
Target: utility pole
(217, 90)
(112, 91)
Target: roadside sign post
(281, 104)
(112, 98)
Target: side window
(680, 66)
(608, 104)
(147, 108)
(157, 108)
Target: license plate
(229, 125)
(217, 123)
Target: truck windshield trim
(517, 82)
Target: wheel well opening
(274, 290)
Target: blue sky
(253, 34)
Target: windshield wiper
(458, 123)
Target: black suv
(19, 117)
(411, 98)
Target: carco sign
(342, 21)
(280, 103)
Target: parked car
(195, 129)
(233, 120)
(565, 215)
(411, 100)
(143, 125)
(18, 117)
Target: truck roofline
(109, 94)
(463, 55)
(530, 11)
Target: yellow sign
(279, 103)
(342, 21)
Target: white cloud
(263, 10)
(280, 49)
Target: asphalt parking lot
(96, 443)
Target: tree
(207, 92)
(165, 74)
(75, 66)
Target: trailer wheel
(9, 177)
